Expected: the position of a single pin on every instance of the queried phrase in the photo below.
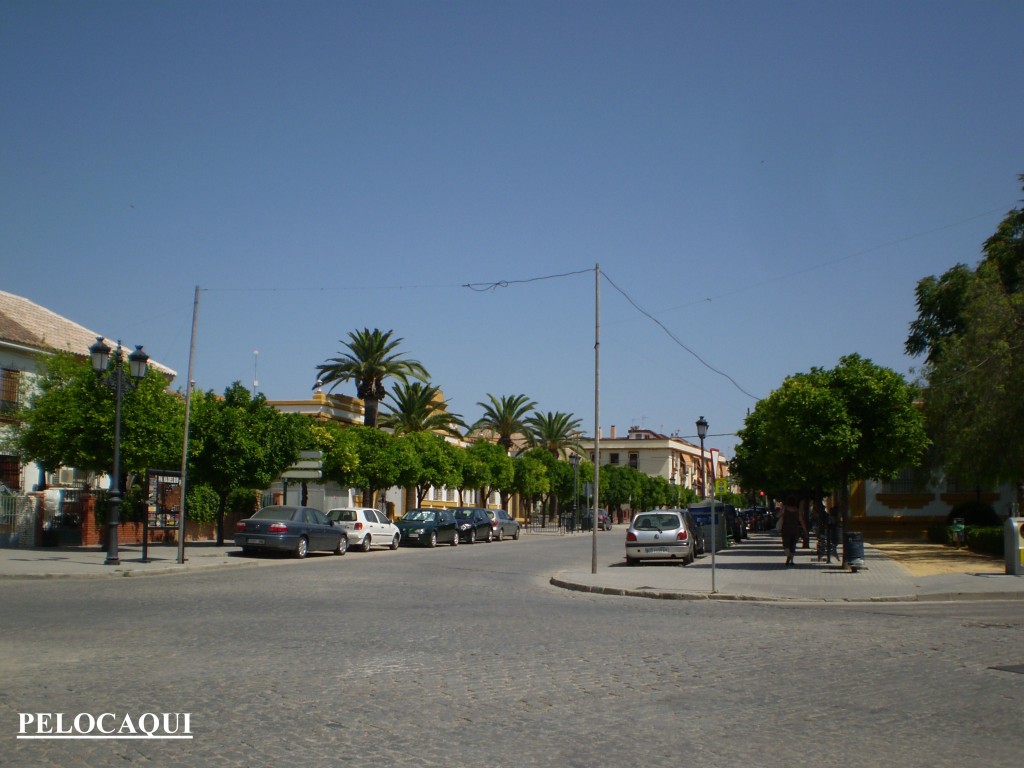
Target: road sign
(721, 486)
(301, 474)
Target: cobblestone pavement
(467, 657)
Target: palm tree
(556, 432)
(419, 407)
(371, 358)
(505, 417)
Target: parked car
(660, 535)
(502, 524)
(473, 524)
(604, 522)
(299, 530)
(428, 527)
(366, 527)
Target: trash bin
(1013, 545)
(853, 550)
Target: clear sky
(767, 180)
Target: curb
(938, 597)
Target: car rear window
(275, 513)
(343, 515)
(661, 522)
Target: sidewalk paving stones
(754, 570)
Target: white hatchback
(366, 527)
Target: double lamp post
(99, 355)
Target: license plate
(256, 541)
(655, 550)
(413, 535)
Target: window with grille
(10, 472)
(634, 460)
(8, 390)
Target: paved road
(468, 657)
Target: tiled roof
(27, 324)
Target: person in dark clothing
(793, 525)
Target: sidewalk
(88, 562)
(754, 570)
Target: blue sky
(768, 180)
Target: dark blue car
(299, 530)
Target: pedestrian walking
(793, 525)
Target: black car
(428, 527)
(473, 524)
(299, 530)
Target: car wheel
(632, 561)
(394, 541)
(472, 536)
(501, 534)
(515, 536)
(342, 547)
(432, 541)
(490, 535)
(302, 548)
(246, 551)
(365, 546)
(455, 539)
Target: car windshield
(656, 522)
(418, 515)
(274, 513)
(464, 514)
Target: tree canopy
(371, 358)
(970, 327)
(69, 420)
(239, 442)
(821, 429)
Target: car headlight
(420, 530)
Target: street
(468, 657)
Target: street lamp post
(575, 461)
(702, 431)
(99, 354)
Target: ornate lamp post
(702, 431)
(99, 354)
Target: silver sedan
(660, 535)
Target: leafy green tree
(384, 461)
(969, 326)
(824, 428)
(555, 432)
(505, 417)
(437, 463)
(620, 485)
(371, 358)
(240, 442)
(419, 407)
(531, 478)
(340, 452)
(974, 401)
(487, 467)
(69, 420)
(559, 480)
